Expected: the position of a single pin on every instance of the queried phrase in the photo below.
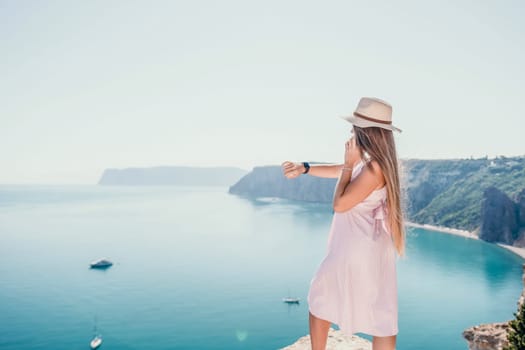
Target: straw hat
(372, 111)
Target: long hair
(378, 143)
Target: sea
(199, 268)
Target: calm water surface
(198, 268)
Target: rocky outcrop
(336, 341)
(520, 202)
(500, 220)
(268, 181)
(491, 336)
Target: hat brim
(363, 123)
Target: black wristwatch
(306, 167)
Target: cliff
(466, 194)
(172, 175)
(491, 336)
(268, 181)
(502, 218)
(336, 341)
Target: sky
(90, 85)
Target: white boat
(291, 300)
(97, 339)
(96, 342)
(101, 263)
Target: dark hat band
(372, 119)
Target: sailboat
(291, 300)
(96, 342)
(97, 339)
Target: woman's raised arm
(292, 170)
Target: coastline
(464, 233)
(443, 229)
(517, 250)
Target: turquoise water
(197, 268)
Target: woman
(355, 285)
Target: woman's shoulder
(375, 169)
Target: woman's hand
(292, 170)
(352, 153)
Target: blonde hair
(379, 144)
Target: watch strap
(306, 167)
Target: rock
(520, 201)
(499, 217)
(520, 241)
(336, 341)
(489, 336)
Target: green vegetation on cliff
(458, 202)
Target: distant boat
(291, 300)
(103, 263)
(96, 342)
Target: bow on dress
(379, 214)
